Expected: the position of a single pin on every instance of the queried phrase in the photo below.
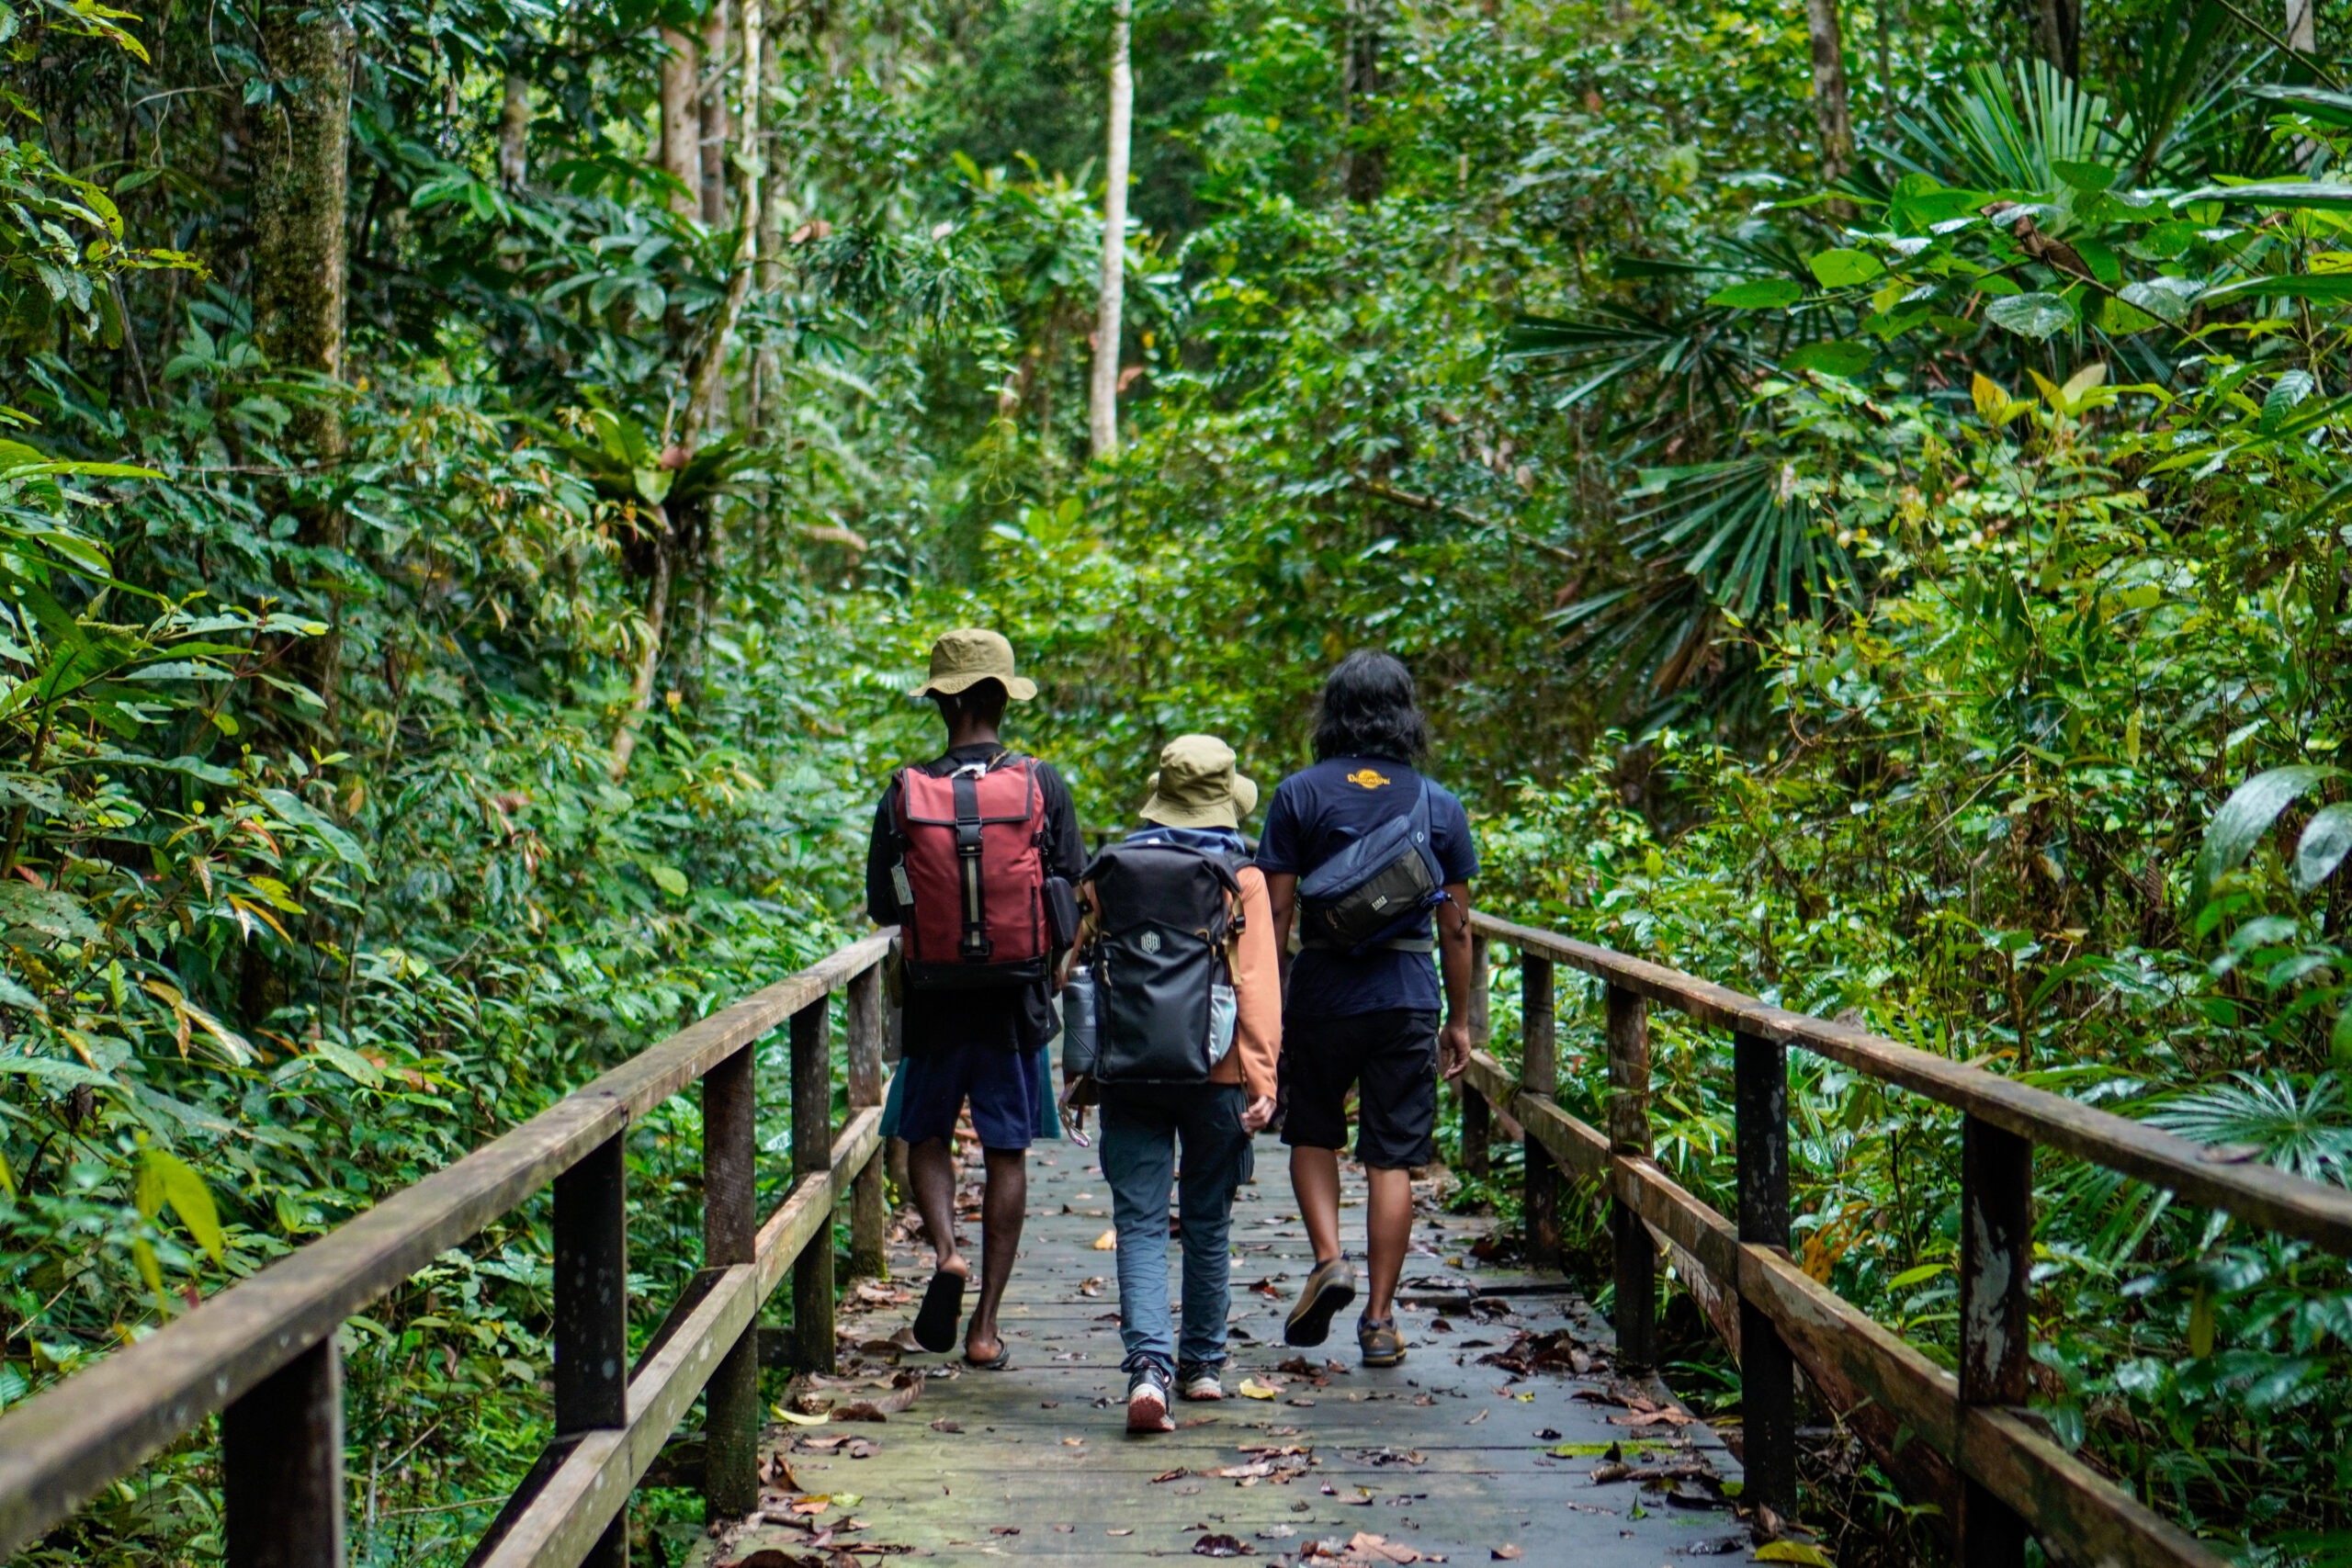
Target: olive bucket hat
(969, 655)
(1197, 785)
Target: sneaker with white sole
(1148, 1402)
(1198, 1382)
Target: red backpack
(971, 875)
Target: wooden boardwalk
(1448, 1458)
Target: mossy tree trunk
(301, 181)
(1102, 409)
(681, 122)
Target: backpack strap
(975, 946)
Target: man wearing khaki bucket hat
(972, 857)
(1176, 1029)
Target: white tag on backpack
(900, 885)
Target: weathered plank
(583, 1494)
(2288, 1204)
(59, 1450)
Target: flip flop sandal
(943, 1308)
(1000, 1362)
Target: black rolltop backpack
(1164, 914)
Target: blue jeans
(1141, 1131)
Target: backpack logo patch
(1149, 941)
(1364, 778)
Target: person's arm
(1453, 960)
(1258, 1000)
(1282, 896)
(881, 849)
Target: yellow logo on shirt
(1364, 778)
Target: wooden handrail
(246, 1352)
(1997, 1473)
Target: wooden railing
(1967, 1442)
(262, 1353)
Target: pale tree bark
(1103, 406)
(514, 131)
(713, 112)
(681, 122)
(2302, 26)
(301, 181)
(1833, 115)
(705, 392)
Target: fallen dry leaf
(1374, 1548)
(1252, 1389)
(1107, 1242)
(1506, 1555)
(1218, 1546)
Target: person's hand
(1453, 1047)
(1258, 1112)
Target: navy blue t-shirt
(1315, 814)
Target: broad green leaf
(1831, 358)
(2272, 193)
(165, 1178)
(1802, 1551)
(292, 808)
(1762, 294)
(349, 1063)
(1843, 269)
(2166, 299)
(2239, 825)
(669, 878)
(2327, 838)
(2037, 316)
(2088, 178)
(2301, 286)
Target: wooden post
(894, 1150)
(731, 1482)
(1628, 1133)
(1996, 1292)
(812, 1155)
(591, 1313)
(1477, 1117)
(1767, 1371)
(869, 1205)
(1539, 1073)
(282, 1466)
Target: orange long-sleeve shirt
(1258, 993)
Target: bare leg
(1002, 1207)
(930, 1165)
(1389, 1227)
(1315, 1181)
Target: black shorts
(1392, 1056)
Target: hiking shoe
(1148, 1402)
(1329, 1288)
(1381, 1344)
(1197, 1382)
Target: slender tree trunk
(714, 113)
(649, 657)
(681, 122)
(1832, 111)
(514, 130)
(705, 393)
(301, 181)
(1367, 162)
(2057, 27)
(2302, 26)
(1103, 407)
(775, 189)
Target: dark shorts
(1001, 1084)
(1390, 1058)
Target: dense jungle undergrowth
(1865, 496)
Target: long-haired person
(1372, 861)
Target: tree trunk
(713, 110)
(2302, 26)
(513, 131)
(1103, 407)
(648, 658)
(1367, 162)
(2057, 27)
(1832, 111)
(774, 189)
(681, 122)
(301, 180)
